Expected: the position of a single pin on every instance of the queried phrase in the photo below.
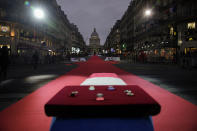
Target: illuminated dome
(94, 43)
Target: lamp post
(38, 15)
(148, 13)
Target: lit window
(171, 30)
(4, 29)
(191, 25)
(12, 33)
(190, 39)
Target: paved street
(173, 78)
(23, 80)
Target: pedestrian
(188, 61)
(4, 62)
(35, 59)
(182, 61)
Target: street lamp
(38, 13)
(148, 12)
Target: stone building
(23, 34)
(121, 36)
(94, 43)
(187, 26)
(112, 44)
(161, 35)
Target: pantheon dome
(94, 33)
(94, 42)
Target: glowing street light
(148, 12)
(39, 13)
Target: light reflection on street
(5, 82)
(37, 78)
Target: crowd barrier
(112, 59)
(77, 59)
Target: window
(2, 13)
(191, 25)
(190, 39)
(171, 30)
(4, 29)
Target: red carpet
(176, 114)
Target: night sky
(87, 14)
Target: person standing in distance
(4, 62)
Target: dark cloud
(87, 14)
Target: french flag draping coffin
(82, 101)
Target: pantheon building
(94, 43)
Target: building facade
(23, 34)
(186, 26)
(94, 43)
(113, 44)
(170, 29)
(78, 45)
